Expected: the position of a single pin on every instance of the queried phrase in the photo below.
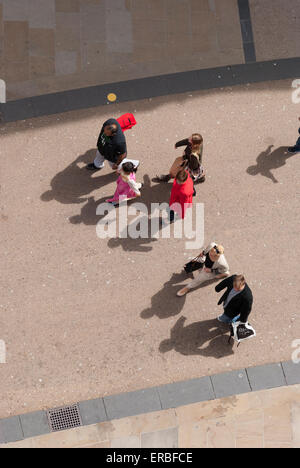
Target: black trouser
(172, 216)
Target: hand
(207, 270)
(115, 167)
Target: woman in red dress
(181, 195)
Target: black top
(188, 148)
(112, 147)
(241, 304)
(208, 262)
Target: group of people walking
(187, 171)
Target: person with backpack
(237, 300)
(111, 146)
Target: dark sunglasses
(217, 250)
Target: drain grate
(65, 417)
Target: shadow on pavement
(269, 160)
(165, 303)
(75, 183)
(208, 338)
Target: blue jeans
(225, 319)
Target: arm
(135, 186)
(184, 142)
(222, 269)
(201, 153)
(119, 160)
(224, 284)
(99, 144)
(246, 309)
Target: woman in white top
(214, 266)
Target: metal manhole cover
(64, 418)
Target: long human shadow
(208, 338)
(270, 160)
(74, 183)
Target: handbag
(194, 265)
(127, 121)
(241, 332)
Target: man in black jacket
(237, 300)
(111, 147)
(296, 148)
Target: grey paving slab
(42, 14)
(17, 110)
(167, 438)
(185, 393)
(34, 424)
(291, 372)
(244, 9)
(10, 430)
(265, 377)
(14, 10)
(130, 404)
(87, 97)
(249, 52)
(50, 104)
(230, 383)
(92, 411)
(247, 33)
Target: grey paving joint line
(159, 398)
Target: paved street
(84, 317)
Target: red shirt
(182, 196)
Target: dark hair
(191, 161)
(128, 168)
(182, 176)
(113, 128)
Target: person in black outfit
(111, 147)
(296, 148)
(237, 300)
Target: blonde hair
(220, 249)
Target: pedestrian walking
(212, 264)
(111, 146)
(296, 147)
(127, 186)
(191, 160)
(237, 300)
(182, 195)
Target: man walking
(237, 300)
(111, 147)
(296, 148)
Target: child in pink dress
(127, 187)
